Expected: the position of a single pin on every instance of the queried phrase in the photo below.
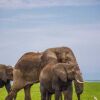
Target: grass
(91, 89)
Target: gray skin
(63, 55)
(49, 59)
(6, 76)
(25, 73)
(29, 66)
(56, 78)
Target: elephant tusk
(79, 81)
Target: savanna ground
(91, 90)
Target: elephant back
(28, 61)
(2, 66)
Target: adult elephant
(6, 75)
(25, 73)
(64, 55)
(58, 78)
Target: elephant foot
(11, 95)
(8, 98)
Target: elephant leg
(27, 92)
(78, 96)
(12, 94)
(68, 93)
(8, 86)
(43, 93)
(15, 96)
(61, 97)
(48, 96)
(57, 95)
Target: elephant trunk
(79, 78)
(79, 84)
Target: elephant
(63, 55)
(28, 68)
(58, 78)
(25, 73)
(6, 75)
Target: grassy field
(91, 89)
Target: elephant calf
(58, 78)
(6, 75)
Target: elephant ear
(60, 72)
(3, 75)
(9, 72)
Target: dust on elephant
(25, 73)
(63, 55)
(57, 78)
(6, 75)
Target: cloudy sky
(35, 25)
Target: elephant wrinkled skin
(61, 55)
(26, 72)
(29, 66)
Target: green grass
(91, 89)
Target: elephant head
(68, 72)
(9, 72)
(6, 72)
(63, 54)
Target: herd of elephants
(55, 69)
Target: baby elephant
(6, 75)
(58, 78)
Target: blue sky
(35, 25)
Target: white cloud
(21, 17)
(72, 35)
(43, 3)
(87, 33)
(60, 28)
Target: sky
(35, 25)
